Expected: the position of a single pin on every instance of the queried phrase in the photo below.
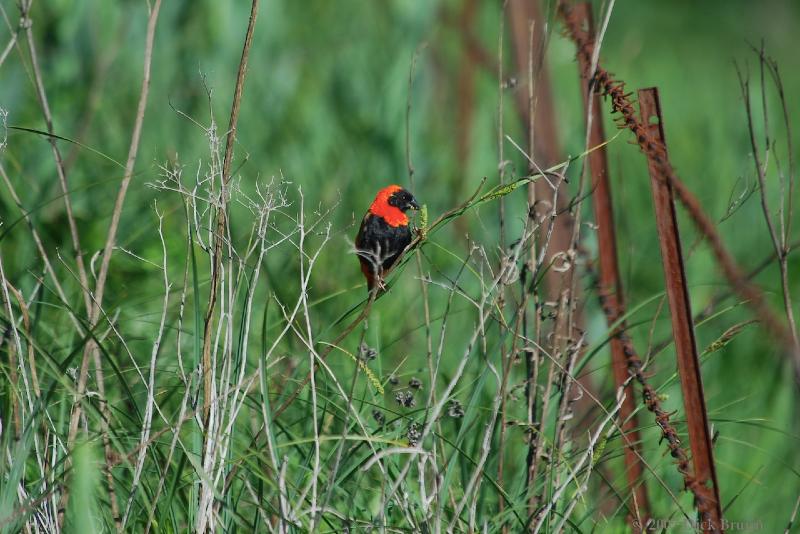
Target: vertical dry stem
(26, 22)
(779, 235)
(219, 236)
(91, 348)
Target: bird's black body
(384, 233)
(379, 244)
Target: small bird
(384, 233)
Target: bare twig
(222, 213)
(537, 112)
(504, 356)
(91, 348)
(151, 383)
(133, 150)
(12, 41)
(25, 6)
(779, 234)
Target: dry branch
(25, 21)
(556, 232)
(95, 301)
(537, 112)
(779, 234)
(219, 236)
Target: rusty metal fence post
(708, 504)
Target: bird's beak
(413, 204)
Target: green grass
(323, 127)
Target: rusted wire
(653, 403)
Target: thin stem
(222, 213)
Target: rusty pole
(708, 504)
(610, 287)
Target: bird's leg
(381, 285)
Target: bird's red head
(391, 203)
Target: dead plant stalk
(95, 301)
(779, 234)
(219, 236)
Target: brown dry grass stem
(621, 102)
(93, 302)
(551, 222)
(41, 93)
(424, 277)
(534, 327)
(779, 233)
(501, 168)
(219, 236)
(536, 109)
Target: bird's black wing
(381, 242)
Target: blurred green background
(325, 110)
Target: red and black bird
(384, 233)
